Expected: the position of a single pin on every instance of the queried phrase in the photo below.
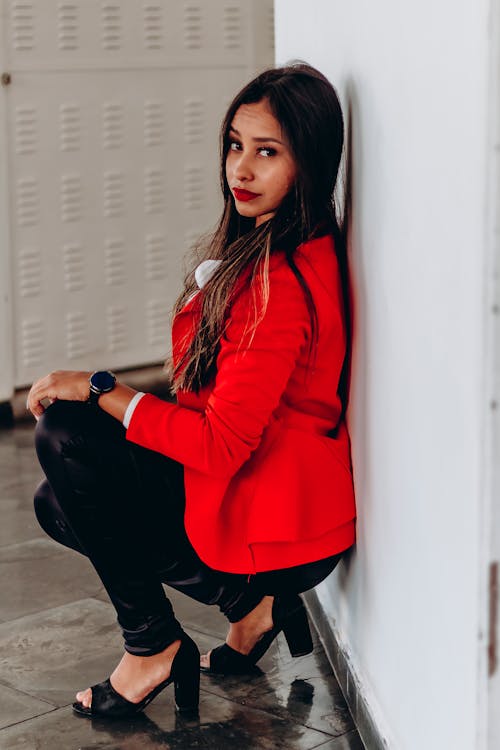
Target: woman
(241, 493)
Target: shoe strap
(105, 697)
(224, 659)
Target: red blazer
(266, 488)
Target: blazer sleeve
(249, 383)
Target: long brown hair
(308, 110)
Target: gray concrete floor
(58, 634)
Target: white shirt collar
(205, 271)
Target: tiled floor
(58, 634)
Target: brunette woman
(241, 493)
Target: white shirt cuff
(131, 408)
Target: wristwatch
(101, 381)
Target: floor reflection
(49, 604)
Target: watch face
(102, 381)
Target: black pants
(123, 507)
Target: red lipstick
(244, 195)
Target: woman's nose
(242, 168)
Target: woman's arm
(249, 384)
(69, 385)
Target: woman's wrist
(116, 401)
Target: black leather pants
(123, 507)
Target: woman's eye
(266, 151)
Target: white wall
(407, 608)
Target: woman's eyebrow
(260, 140)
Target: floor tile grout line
(354, 733)
(48, 609)
(28, 695)
(276, 716)
(29, 718)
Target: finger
(33, 403)
(37, 410)
(40, 390)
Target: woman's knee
(58, 424)
(51, 518)
(69, 447)
(65, 425)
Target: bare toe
(205, 660)
(85, 697)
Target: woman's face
(259, 166)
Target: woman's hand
(65, 385)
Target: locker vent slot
(111, 26)
(71, 198)
(32, 342)
(69, 127)
(193, 188)
(30, 272)
(74, 267)
(25, 129)
(116, 328)
(28, 201)
(193, 120)
(113, 198)
(154, 123)
(67, 26)
(112, 125)
(153, 26)
(23, 26)
(154, 191)
(155, 257)
(193, 25)
(270, 27)
(114, 262)
(232, 27)
(76, 335)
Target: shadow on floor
(58, 634)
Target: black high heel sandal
(290, 616)
(185, 674)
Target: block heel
(297, 632)
(186, 676)
(289, 615)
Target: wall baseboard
(360, 711)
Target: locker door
(111, 130)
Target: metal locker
(109, 116)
